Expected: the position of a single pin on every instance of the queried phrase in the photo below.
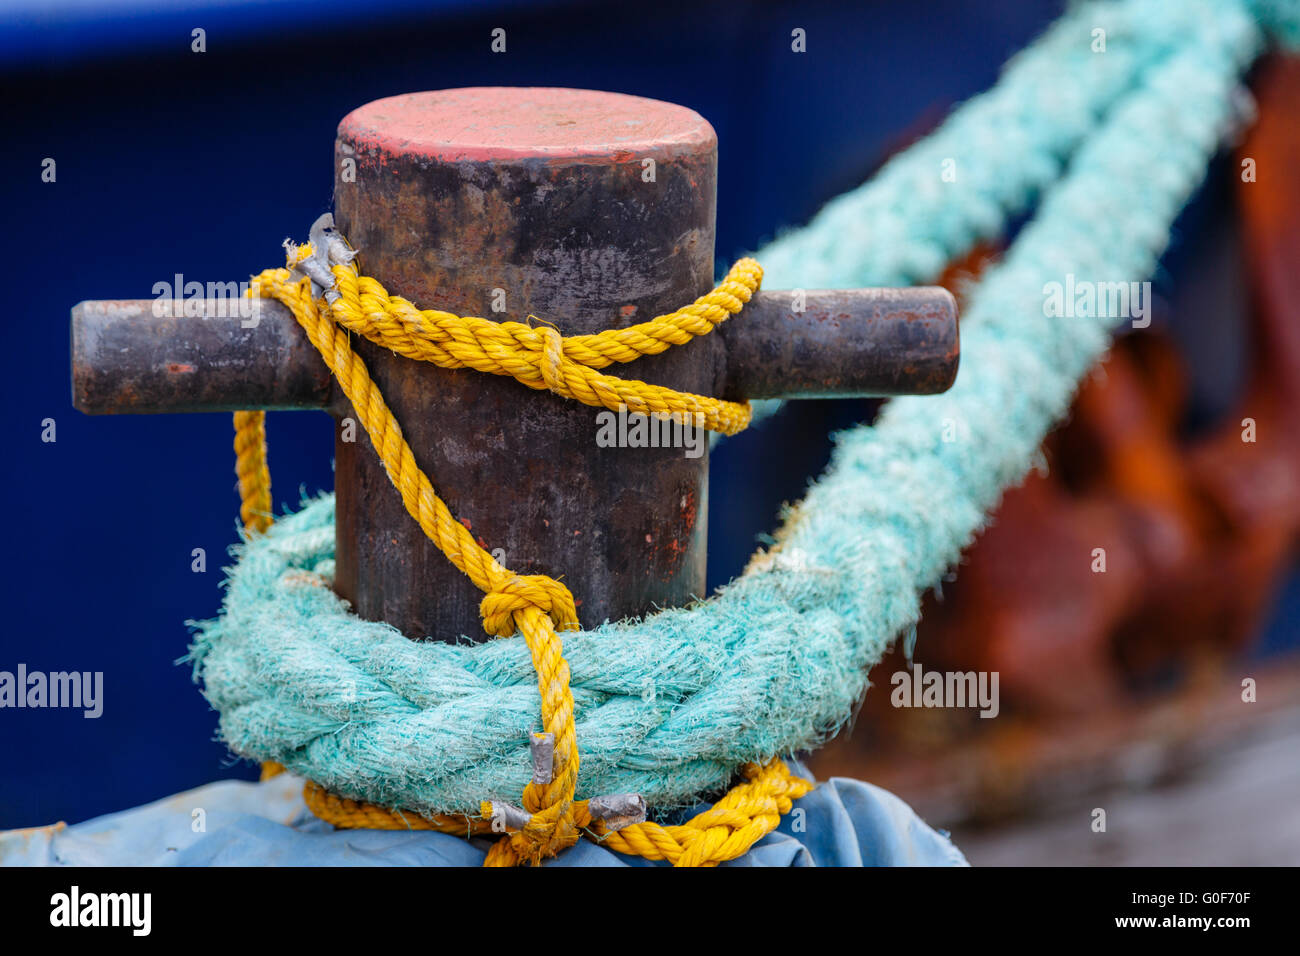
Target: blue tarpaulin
(234, 823)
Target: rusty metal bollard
(589, 210)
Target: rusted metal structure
(588, 210)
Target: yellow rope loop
(533, 604)
(534, 590)
(551, 827)
(538, 356)
(747, 813)
(676, 328)
(536, 606)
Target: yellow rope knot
(329, 298)
(552, 350)
(548, 831)
(524, 591)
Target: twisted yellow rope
(748, 812)
(254, 495)
(536, 606)
(252, 471)
(539, 356)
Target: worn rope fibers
(670, 706)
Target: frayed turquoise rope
(668, 706)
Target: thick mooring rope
(777, 660)
(536, 606)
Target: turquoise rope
(668, 706)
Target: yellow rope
(539, 356)
(254, 495)
(740, 819)
(252, 471)
(536, 606)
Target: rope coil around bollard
(776, 660)
(328, 297)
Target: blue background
(172, 161)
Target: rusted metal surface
(508, 204)
(859, 342)
(852, 342)
(128, 360)
(538, 194)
